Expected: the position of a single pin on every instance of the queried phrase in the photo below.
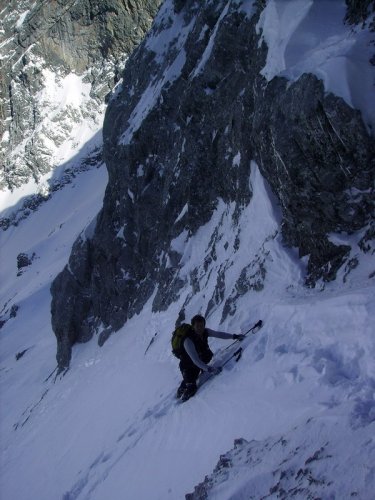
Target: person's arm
(224, 335)
(192, 352)
(219, 335)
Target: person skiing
(195, 353)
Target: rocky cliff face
(315, 152)
(179, 135)
(58, 62)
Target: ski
(223, 360)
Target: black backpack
(178, 336)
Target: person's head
(198, 323)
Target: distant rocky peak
(59, 62)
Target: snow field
(111, 427)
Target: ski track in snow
(129, 438)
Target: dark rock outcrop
(8, 314)
(359, 10)
(179, 135)
(317, 156)
(24, 260)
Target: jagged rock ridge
(300, 464)
(179, 135)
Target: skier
(195, 353)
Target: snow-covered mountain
(172, 165)
(240, 159)
(59, 62)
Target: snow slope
(110, 427)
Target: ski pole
(257, 324)
(237, 354)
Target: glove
(215, 370)
(239, 337)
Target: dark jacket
(197, 350)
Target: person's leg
(181, 389)
(189, 391)
(190, 373)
